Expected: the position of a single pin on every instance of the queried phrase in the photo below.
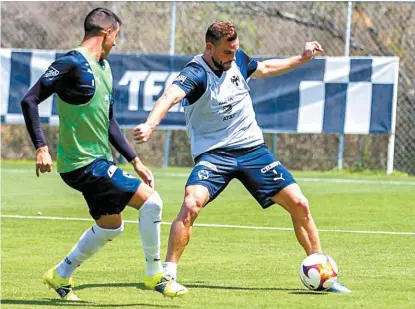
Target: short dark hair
(99, 19)
(219, 30)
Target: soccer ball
(318, 272)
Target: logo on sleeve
(51, 73)
(181, 78)
(203, 174)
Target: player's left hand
(145, 174)
(43, 160)
(312, 49)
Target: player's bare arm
(275, 67)
(171, 96)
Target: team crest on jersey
(235, 80)
(203, 174)
(51, 73)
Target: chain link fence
(265, 29)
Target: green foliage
(190, 34)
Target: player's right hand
(142, 132)
(312, 49)
(43, 160)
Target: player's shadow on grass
(111, 285)
(53, 302)
(195, 285)
(237, 288)
(57, 302)
(304, 292)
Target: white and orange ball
(318, 272)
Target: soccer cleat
(165, 285)
(62, 286)
(337, 287)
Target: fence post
(172, 28)
(391, 151)
(346, 54)
(167, 134)
(391, 142)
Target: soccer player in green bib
(82, 80)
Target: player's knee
(300, 206)
(191, 208)
(155, 202)
(108, 234)
(152, 206)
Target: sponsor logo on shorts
(278, 177)
(125, 174)
(270, 167)
(111, 170)
(208, 165)
(203, 174)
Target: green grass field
(223, 267)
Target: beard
(223, 66)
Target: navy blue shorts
(106, 188)
(256, 168)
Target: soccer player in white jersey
(226, 141)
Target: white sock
(91, 241)
(170, 269)
(149, 228)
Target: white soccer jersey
(224, 116)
